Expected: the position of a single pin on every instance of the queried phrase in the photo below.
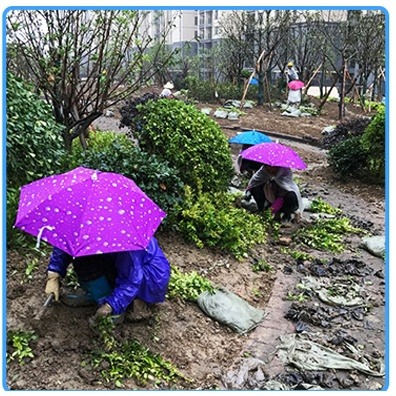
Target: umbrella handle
(40, 233)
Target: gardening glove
(103, 310)
(53, 284)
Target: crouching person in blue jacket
(121, 282)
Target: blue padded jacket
(142, 274)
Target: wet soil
(206, 352)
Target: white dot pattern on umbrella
(91, 212)
(274, 154)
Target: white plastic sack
(230, 310)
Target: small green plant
(318, 205)
(19, 344)
(120, 360)
(298, 255)
(71, 280)
(188, 286)
(326, 234)
(261, 265)
(270, 223)
(299, 297)
(256, 292)
(32, 264)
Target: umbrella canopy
(250, 137)
(86, 211)
(274, 154)
(295, 85)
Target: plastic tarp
(250, 375)
(375, 245)
(231, 310)
(342, 292)
(308, 355)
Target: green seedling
(119, 360)
(19, 343)
(262, 265)
(188, 286)
(320, 206)
(300, 297)
(326, 234)
(256, 292)
(71, 280)
(298, 255)
(32, 264)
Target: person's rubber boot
(76, 300)
(94, 291)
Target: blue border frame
(387, 147)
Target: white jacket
(284, 179)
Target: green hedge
(114, 152)
(191, 142)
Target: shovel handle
(47, 303)
(49, 300)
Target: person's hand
(103, 310)
(53, 284)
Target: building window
(216, 14)
(196, 21)
(209, 33)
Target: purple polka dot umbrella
(85, 211)
(274, 154)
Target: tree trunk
(341, 104)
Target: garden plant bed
(208, 354)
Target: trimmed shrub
(191, 142)
(114, 152)
(348, 158)
(361, 154)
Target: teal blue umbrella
(250, 137)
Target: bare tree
(85, 61)
(370, 55)
(257, 36)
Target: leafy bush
(191, 142)
(114, 152)
(348, 158)
(34, 142)
(187, 286)
(345, 130)
(361, 153)
(15, 238)
(213, 220)
(373, 142)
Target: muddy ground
(209, 354)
